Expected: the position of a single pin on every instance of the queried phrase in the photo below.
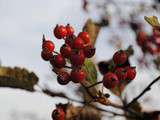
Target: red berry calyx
(110, 80)
(63, 78)
(120, 57)
(58, 61)
(131, 73)
(60, 32)
(70, 30)
(66, 51)
(85, 37)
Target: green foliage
(91, 71)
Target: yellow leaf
(152, 20)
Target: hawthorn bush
(75, 63)
(77, 52)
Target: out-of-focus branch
(60, 94)
(17, 78)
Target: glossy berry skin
(60, 32)
(110, 80)
(120, 57)
(58, 114)
(121, 73)
(77, 58)
(63, 78)
(46, 55)
(70, 30)
(78, 43)
(58, 61)
(78, 76)
(66, 51)
(85, 37)
(131, 73)
(89, 51)
(48, 46)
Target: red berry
(60, 32)
(69, 41)
(120, 57)
(110, 80)
(77, 58)
(131, 73)
(156, 31)
(58, 61)
(78, 43)
(46, 55)
(85, 37)
(66, 51)
(121, 73)
(78, 76)
(142, 38)
(70, 30)
(63, 78)
(89, 51)
(48, 46)
(58, 114)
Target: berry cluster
(149, 43)
(74, 50)
(121, 72)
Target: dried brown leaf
(17, 78)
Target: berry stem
(143, 92)
(97, 83)
(68, 67)
(56, 52)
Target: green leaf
(91, 71)
(17, 78)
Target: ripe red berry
(142, 37)
(77, 58)
(66, 51)
(58, 61)
(85, 37)
(63, 78)
(46, 55)
(48, 46)
(156, 31)
(120, 57)
(70, 30)
(89, 51)
(58, 114)
(131, 73)
(110, 80)
(121, 73)
(78, 43)
(60, 32)
(78, 76)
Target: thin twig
(55, 52)
(62, 95)
(69, 67)
(143, 92)
(97, 83)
